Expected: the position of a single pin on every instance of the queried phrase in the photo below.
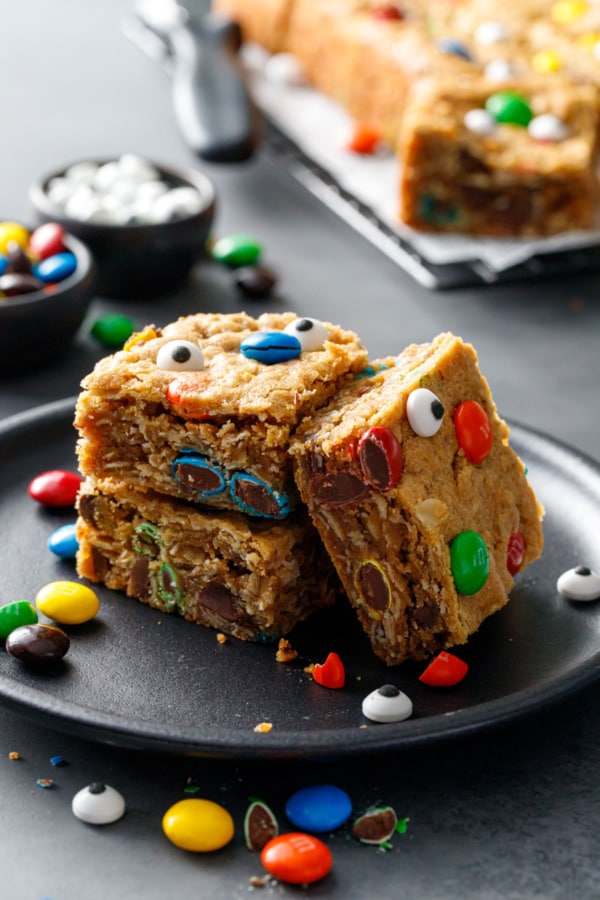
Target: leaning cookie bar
(422, 504)
(250, 578)
(204, 408)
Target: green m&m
(509, 108)
(13, 615)
(469, 562)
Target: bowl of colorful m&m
(46, 286)
(146, 224)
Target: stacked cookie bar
(422, 504)
(189, 503)
(236, 468)
(492, 106)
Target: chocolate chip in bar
(374, 587)
(219, 598)
(337, 488)
(255, 496)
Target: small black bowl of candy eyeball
(146, 224)
(46, 286)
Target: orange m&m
(296, 858)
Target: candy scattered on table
(16, 614)
(296, 858)
(580, 583)
(236, 250)
(198, 825)
(38, 645)
(445, 670)
(387, 704)
(112, 329)
(255, 282)
(63, 542)
(376, 826)
(129, 190)
(57, 761)
(98, 804)
(67, 602)
(331, 673)
(260, 825)
(45, 783)
(56, 487)
(321, 807)
(33, 260)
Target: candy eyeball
(311, 333)
(580, 583)
(98, 804)
(387, 704)
(425, 412)
(180, 356)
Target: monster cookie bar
(203, 409)
(499, 162)
(251, 578)
(421, 502)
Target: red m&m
(56, 487)
(473, 431)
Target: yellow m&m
(67, 602)
(198, 825)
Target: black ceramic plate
(137, 678)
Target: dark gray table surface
(509, 813)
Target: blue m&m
(322, 807)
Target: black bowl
(37, 327)
(138, 260)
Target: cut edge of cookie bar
(245, 577)
(217, 435)
(397, 510)
(501, 180)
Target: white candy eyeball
(425, 412)
(98, 804)
(180, 356)
(387, 704)
(580, 583)
(311, 333)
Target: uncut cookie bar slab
(204, 408)
(250, 578)
(421, 502)
(508, 160)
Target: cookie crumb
(221, 638)
(309, 668)
(14, 754)
(285, 651)
(263, 727)
(258, 882)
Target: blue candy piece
(448, 45)
(56, 268)
(322, 807)
(256, 498)
(3, 264)
(197, 472)
(63, 542)
(271, 347)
